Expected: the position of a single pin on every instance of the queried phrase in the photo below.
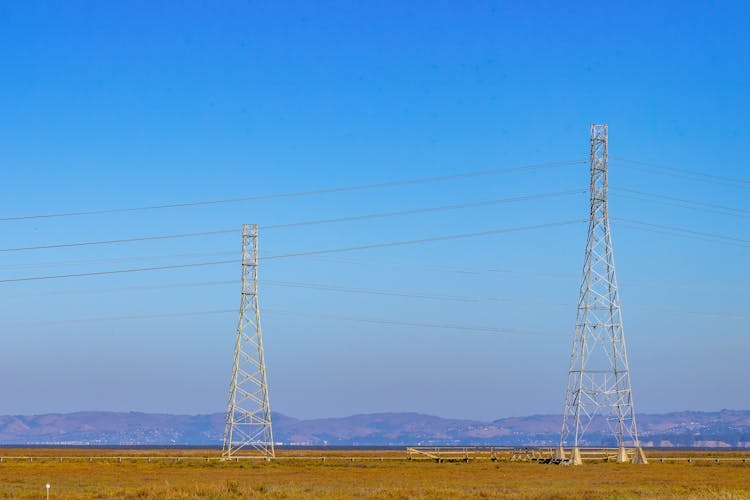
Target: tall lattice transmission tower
(599, 378)
(248, 425)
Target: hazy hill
(723, 428)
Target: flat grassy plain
(346, 474)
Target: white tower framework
(599, 378)
(248, 424)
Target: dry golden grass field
(356, 474)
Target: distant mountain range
(726, 428)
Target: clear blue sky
(108, 105)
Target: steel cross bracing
(599, 379)
(248, 423)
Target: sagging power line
(288, 313)
(398, 213)
(294, 194)
(303, 253)
(684, 233)
(682, 173)
(338, 289)
(680, 202)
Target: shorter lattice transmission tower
(599, 393)
(248, 425)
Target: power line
(681, 202)
(413, 324)
(298, 224)
(301, 254)
(415, 211)
(121, 240)
(683, 173)
(360, 187)
(35, 265)
(377, 321)
(117, 271)
(136, 288)
(360, 262)
(411, 266)
(427, 240)
(118, 318)
(387, 322)
(707, 314)
(439, 268)
(475, 299)
(371, 291)
(376, 292)
(685, 233)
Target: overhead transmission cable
(359, 319)
(118, 318)
(366, 291)
(663, 229)
(476, 299)
(427, 240)
(377, 321)
(118, 271)
(116, 241)
(681, 173)
(656, 198)
(398, 213)
(437, 268)
(304, 253)
(458, 206)
(685, 233)
(385, 293)
(670, 230)
(680, 202)
(412, 266)
(77, 262)
(117, 289)
(294, 194)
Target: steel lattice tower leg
(248, 424)
(599, 378)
